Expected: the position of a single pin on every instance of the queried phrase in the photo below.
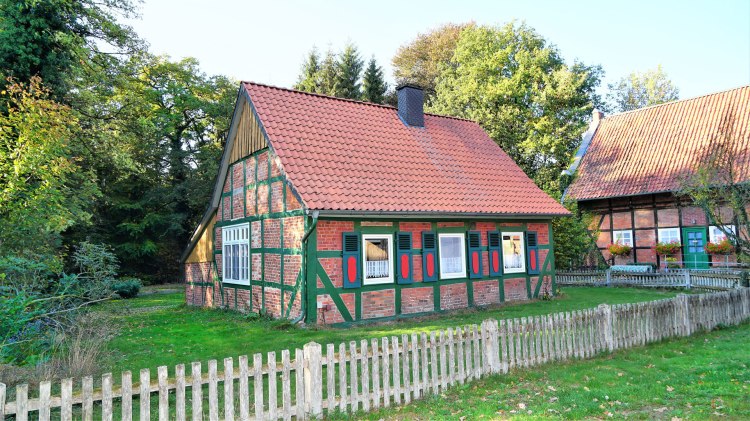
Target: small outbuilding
(337, 211)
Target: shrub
(619, 249)
(127, 287)
(97, 266)
(667, 248)
(672, 263)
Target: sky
(704, 46)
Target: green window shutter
(351, 255)
(495, 253)
(429, 256)
(475, 254)
(403, 257)
(532, 253)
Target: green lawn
(158, 329)
(705, 376)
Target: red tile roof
(653, 149)
(343, 155)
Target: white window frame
(456, 275)
(630, 234)
(714, 232)
(230, 236)
(663, 231)
(383, 280)
(522, 235)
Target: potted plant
(723, 247)
(619, 249)
(666, 249)
(672, 263)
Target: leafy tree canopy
(638, 90)
(373, 83)
(516, 85)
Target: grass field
(706, 376)
(158, 329)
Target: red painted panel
(475, 262)
(430, 264)
(351, 270)
(495, 261)
(405, 265)
(532, 254)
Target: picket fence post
(606, 311)
(684, 305)
(313, 380)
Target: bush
(127, 287)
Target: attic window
(235, 253)
(377, 251)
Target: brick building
(631, 166)
(336, 211)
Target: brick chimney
(411, 105)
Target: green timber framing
(315, 270)
(281, 251)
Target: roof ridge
(677, 101)
(390, 107)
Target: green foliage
(127, 287)
(97, 266)
(638, 90)
(421, 61)
(309, 78)
(373, 83)
(574, 244)
(51, 39)
(44, 188)
(349, 72)
(518, 88)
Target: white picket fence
(675, 278)
(370, 374)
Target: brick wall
(486, 292)
(515, 289)
(330, 234)
(378, 304)
(453, 296)
(417, 300)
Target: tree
(638, 90)
(51, 38)
(348, 74)
(421, 61)
(519, 89)
(720, 185)
(45, 190)
(574, 244)
(328, 79)
(373, 84)
(309, 78)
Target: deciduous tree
(638, 90)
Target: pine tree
(349, 72)
(309, 79)
(373, 84)
(328, 75)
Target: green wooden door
(695, 256)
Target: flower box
(664, 249)
(619, 249)
(722, 247)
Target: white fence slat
(343, 383)
(396, 371)
(107, 397)
(213, 391)
(45, 390)
(424, 365)
(273, 390)
(416, 387)
(22, 402)
(460, 355)
(451, 358)
(228, 389)
(161, 375)
(443, 361)
(244, 392)
(433, 364)
(330, 377)
(313, 376)
(365, 395)
(406, 383)
(196, 391)
(144, 395)
(286, 386)
(375, 373)
(88, 397)
(258, 386)
(477, 356)
(299, 400)
(353, 377)
(66, 399)
(3, 395)
(179, 393)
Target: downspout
(303, 295)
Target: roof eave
(432, 214)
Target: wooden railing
(371, 374)
(674, 278)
